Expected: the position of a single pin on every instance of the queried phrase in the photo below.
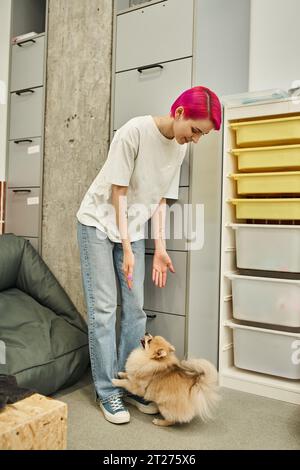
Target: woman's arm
(161, 260)
(119, 201)
(159, 224)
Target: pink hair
(199, 103)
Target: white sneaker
(114, 410)
(147, 407)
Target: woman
(142, 170)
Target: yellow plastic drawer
(287, 182)
(280, 157)
(272, 209)
(267, 132)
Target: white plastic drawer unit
(24, 162)
(150, 91)
(23, 207)
(267, 351)
(171, 327)
(268, 247)
(266, 300)
(26, 117)
(27, 64)
(170, 299)
(155, 33)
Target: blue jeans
(101, 267)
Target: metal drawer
(185, 170)
(155, 33)
(26, 118)
(23, 211)
(27, 64)
(170, 299)
(180, 223)
(24, 163)
(171, 327)
(150, 91)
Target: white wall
(5, 11)
(274, 44)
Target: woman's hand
(128, 265)
(161, 263)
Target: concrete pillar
(77, 126)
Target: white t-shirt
(141, 158)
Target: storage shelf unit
(162, 48)
(264, 260)
(26, 120)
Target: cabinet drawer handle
(22, 190)
(153, 66)
(151, 317)
(27, 90)
(23, 140)
(24, 42)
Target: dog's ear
(171, 348)
(160, 353)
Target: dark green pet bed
(43, 338)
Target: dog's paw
(116, 382)
(122, 375)
(162, 422)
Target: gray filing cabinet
(162, 48)
(26, 120)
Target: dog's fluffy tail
(206, 386)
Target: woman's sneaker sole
(150, 409)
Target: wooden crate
(35, 423)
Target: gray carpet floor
(243, 421)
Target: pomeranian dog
(181, 389)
